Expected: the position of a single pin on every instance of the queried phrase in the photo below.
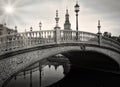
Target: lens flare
(9, 9)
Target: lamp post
(76, 10)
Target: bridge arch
(23, 58)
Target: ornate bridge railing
(17, 41)
(67, 35)
(110, 42)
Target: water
(41, 74)
(60, 73)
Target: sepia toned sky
(29, 13)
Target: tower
(67, 24)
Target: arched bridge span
(18, 51)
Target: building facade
(5, 30)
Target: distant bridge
(20, 50)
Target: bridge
(20, 50)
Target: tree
(107, 34)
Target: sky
(29, 13)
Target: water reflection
(42, 74)
(57, 72)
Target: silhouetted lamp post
(77, 10)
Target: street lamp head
(77, 8)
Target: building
(67, 24)
(5, 30)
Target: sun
(9, 9)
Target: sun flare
(9, 9)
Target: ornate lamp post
(77, 10)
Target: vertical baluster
(3, 44)
(64, 35)
(45, 37)
(21, 43)
(6, 43)
(21, 40)
(41, 37)
(36, 38)
(30, 39)
(17, 41)
(52, 36)
(0, 45)
(48, 37)
(27, 38)
(14, 42)
(67, 35)
(24, 39)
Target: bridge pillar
(57, 35)
(99, 33)
(99, 38)
(57, 29)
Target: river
(58, 72)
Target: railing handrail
(31, 38)
(112, 40)
(26, 32)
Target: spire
(40, 25)
(67, 11)
(57, 18)
(31, 29)
(99, 26)
(67, 25)
(15, 29)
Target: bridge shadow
(94, 60)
